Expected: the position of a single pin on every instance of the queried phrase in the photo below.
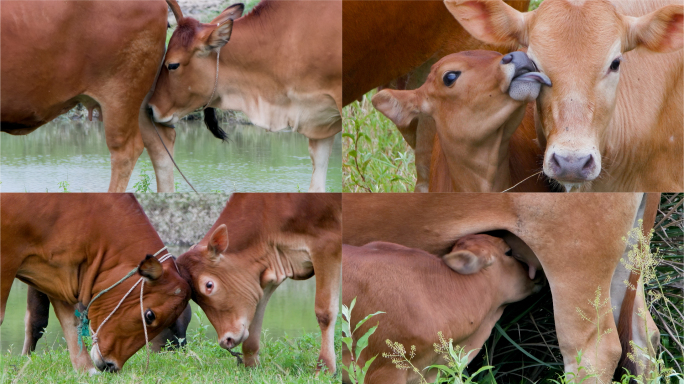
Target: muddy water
(253, 160)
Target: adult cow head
(188, 77)
(227, 286)
(579, 45)
(477, 99)
(165, 296)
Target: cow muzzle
(572, 167)
(155, 115)
(230, 340)
(102, 363)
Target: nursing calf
(477, 100)
(259, 241)
(409, 285)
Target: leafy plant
(356, 372)
(63, 185)
(143, 185)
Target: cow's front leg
(250, 347)
(320, 151)
(80, 358)
(36, 319)
(123, 140)
(161, 161)
(328, 272)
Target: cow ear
(659, 31)
(399, 106)
(219, 36)
(465, 262)
(150, 268)
(492, 22)
(218, 243)
(231, 13)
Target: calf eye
(149, 317)
(509, 252)
(210, 286)
(450, 77)
(615, 65)
(173, 66)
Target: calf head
(227, 286)
(165, 296)
(477, 99)
(579, 45)
(483, 253)
(188, 76)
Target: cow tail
(212, 124)
(624, 328)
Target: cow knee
(324, 317)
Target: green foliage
(357, 372)
(64, 185)
(143, 185)
(375, 157)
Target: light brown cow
(577, 240)
(613, 119)
(477, 100)
(282, 68)
(421, 295)
(103, 54)
(383, 40)
(74, 246)
(259, 241)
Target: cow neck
(119, 250)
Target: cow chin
(103, 364)
(168, 120)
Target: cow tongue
(526, 87)
(532, 271)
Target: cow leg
(250, 347)
(123, 140)
(80, 358)
(328, 272)
(161, 161)
(320, 151)
(36, 319)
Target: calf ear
(218, 243)
(231, 13)
(491, 21)
(150, 268)
(465, 262)
(659, 31)
(222, 27)
(399, 106)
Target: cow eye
(615, 65)
(509, 252)
(173, 66)
(450, 77)
(149, 317)
(210, 286)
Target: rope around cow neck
(84, 323)
(524, 180)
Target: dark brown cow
(259, 241)
(576, 239)
(103, 54)
(463, 296)
(477, 100)
(73, 247)
(383, 40)
(282, 68)
(38, 314)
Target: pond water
(290, 311)
(253, 160)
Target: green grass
(283, 360)
(375, 157)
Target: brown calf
(477, 100)
(259, 241)
(462, 296)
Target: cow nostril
(110, 367)
(588, 164)
(554, 161)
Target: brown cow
(103, 54)
(605, 125)
(577, 239)
(66, 246)
(383, 40)
(477, 100)
(282, 68)
(421, 296)
(38, 314)
(259, 241)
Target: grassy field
(283, 360)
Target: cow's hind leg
(36, 319)
(250, 347)
(320, 151)
(80, 358)
(328, 272)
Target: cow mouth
(532, 77)
(102, 363)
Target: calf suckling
(463, 294)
